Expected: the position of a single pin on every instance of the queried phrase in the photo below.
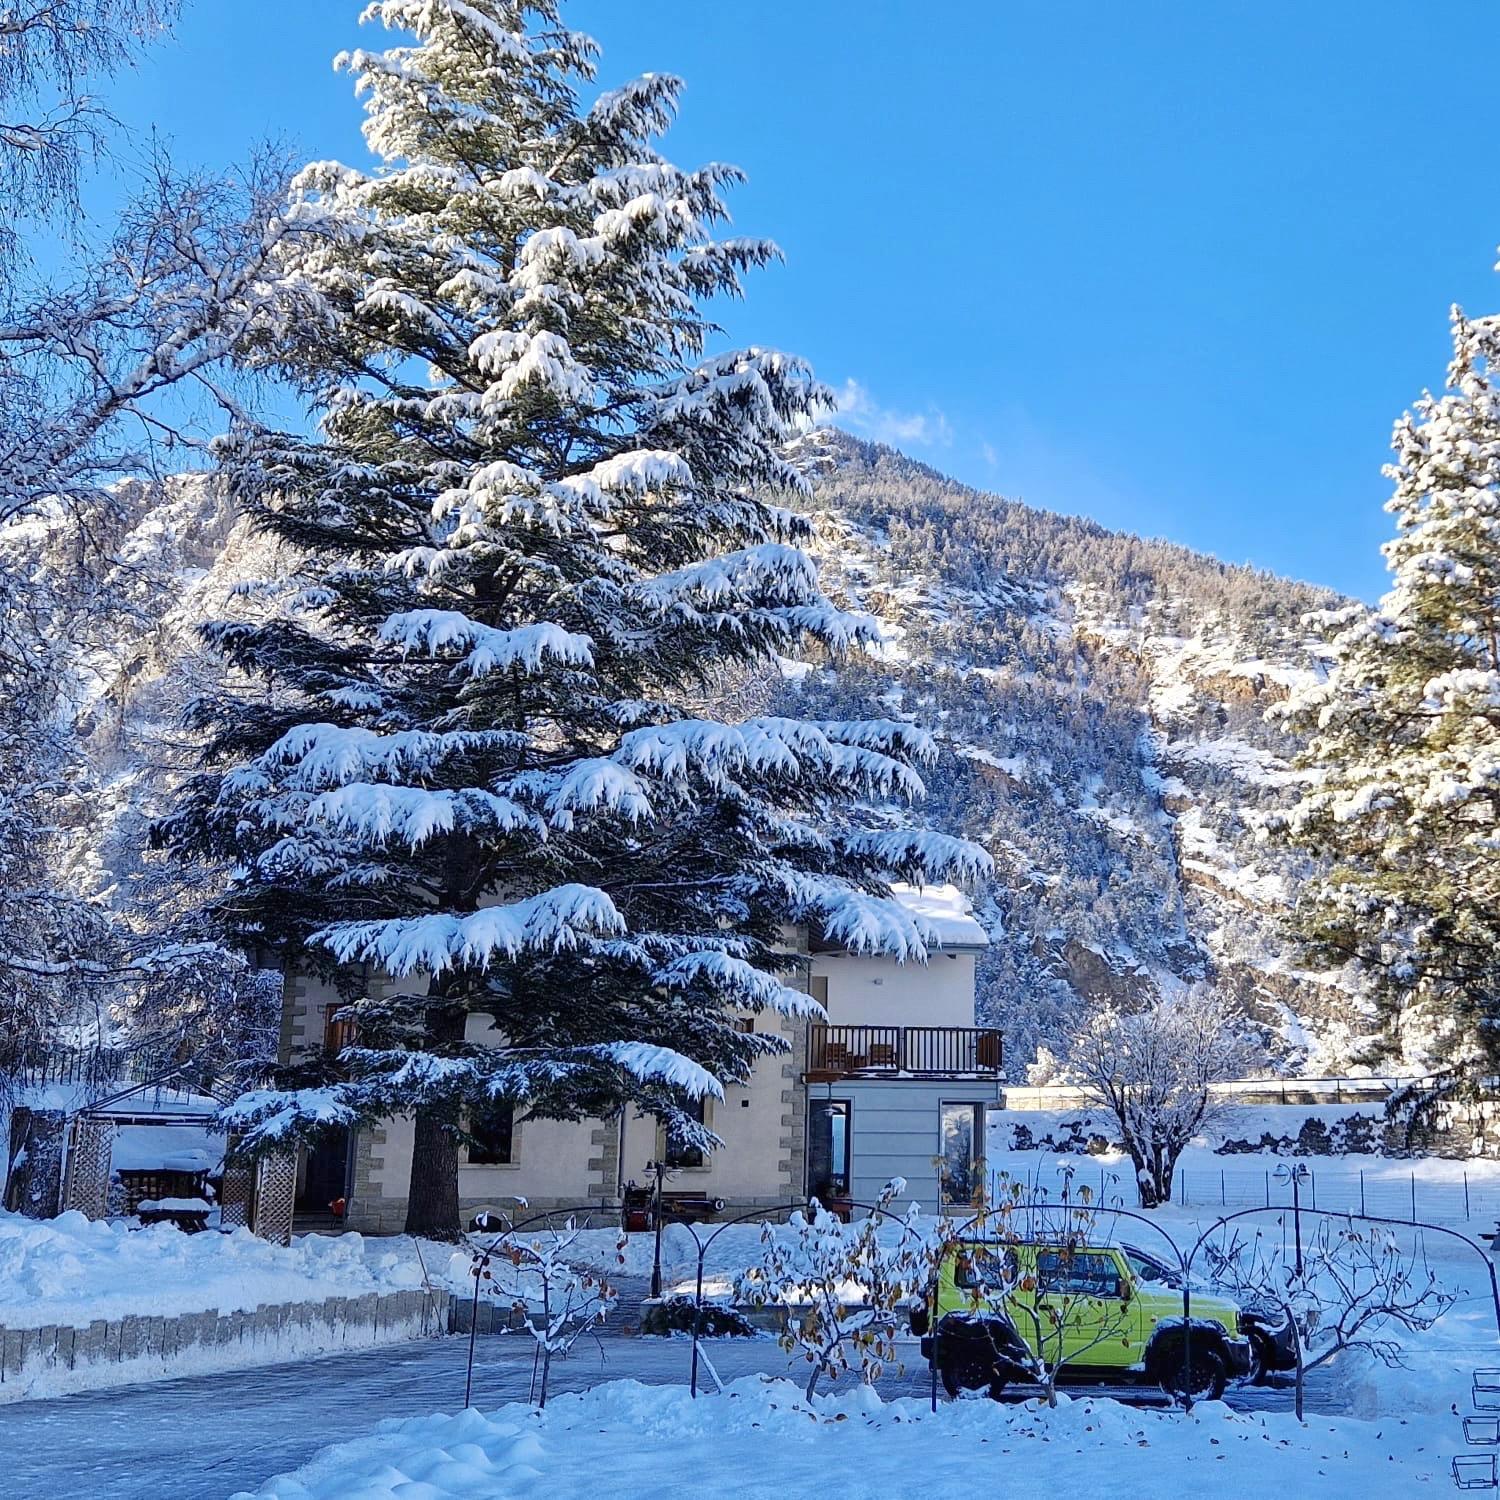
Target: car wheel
(1260, 1363)
(997, 1390)
(957, 1379)
(1203, 1379)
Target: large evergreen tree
(1404, 800)
(533, 523)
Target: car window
(1080, 1273)
(1147, 1269)
(977, 1266)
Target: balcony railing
(904, 1051)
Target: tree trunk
(432, 1197)
(432, 1204)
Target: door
(323, 1173)
(828, 1150)
(1083, 1297)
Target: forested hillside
(1099, 702)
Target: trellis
(258, 1195)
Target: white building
(894, 1083)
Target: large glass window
(962, 1152)
(828, 1149)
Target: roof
(945, 909)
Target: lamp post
(1296, 1174)
(658, 1170)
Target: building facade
(895, 1082)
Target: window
(985, 1267)
(828, 1149)
(1077, 1273)
(338, 1031)
(677, 1153)
(962, 1152)
(494, 1134)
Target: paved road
(207, 1437)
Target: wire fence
(1386, 1193)
(1382, 1194)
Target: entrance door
(828, 1149)
(323, 1173)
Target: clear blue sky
(1171, 264)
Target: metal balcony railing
(904, 1051)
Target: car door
(1084, 1300)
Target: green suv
(1007, 1312)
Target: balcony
(903, 1052)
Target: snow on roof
(945, 908)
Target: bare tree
(555, 1301)
(118, 372)
(51, 53)
(1154, 1069)
(1353, 1284)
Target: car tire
(957, 1379)
(1203, 1381)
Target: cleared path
(208, 1437)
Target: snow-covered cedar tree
(53, 54)
(1404, 747)
(458, 775)
(847, 1287)
(1152, 1069)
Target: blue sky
(1173, 265)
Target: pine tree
(533, 525)
(1404, 801)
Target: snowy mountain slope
(1100, 703)
(1098, 700)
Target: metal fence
(1383, 1194)
(1388, 1193)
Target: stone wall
(53, 1360)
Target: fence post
(1414, 1197)
(1268, 1189)
(1312, 1178)
(1466, 1195)
(1361, 1192)
(1223, 1201)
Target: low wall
(53, 1360)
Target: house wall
(763, 1124)
(568, 1163)
(895, 1130)
(877, 992)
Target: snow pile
(657, 1441)
(71, 1270)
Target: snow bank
(71, 1270)
(636, 1441)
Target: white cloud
(857, 410)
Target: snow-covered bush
(556, 1302)
(846, 1286)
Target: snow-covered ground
(759, 1438)
(71, 1270)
